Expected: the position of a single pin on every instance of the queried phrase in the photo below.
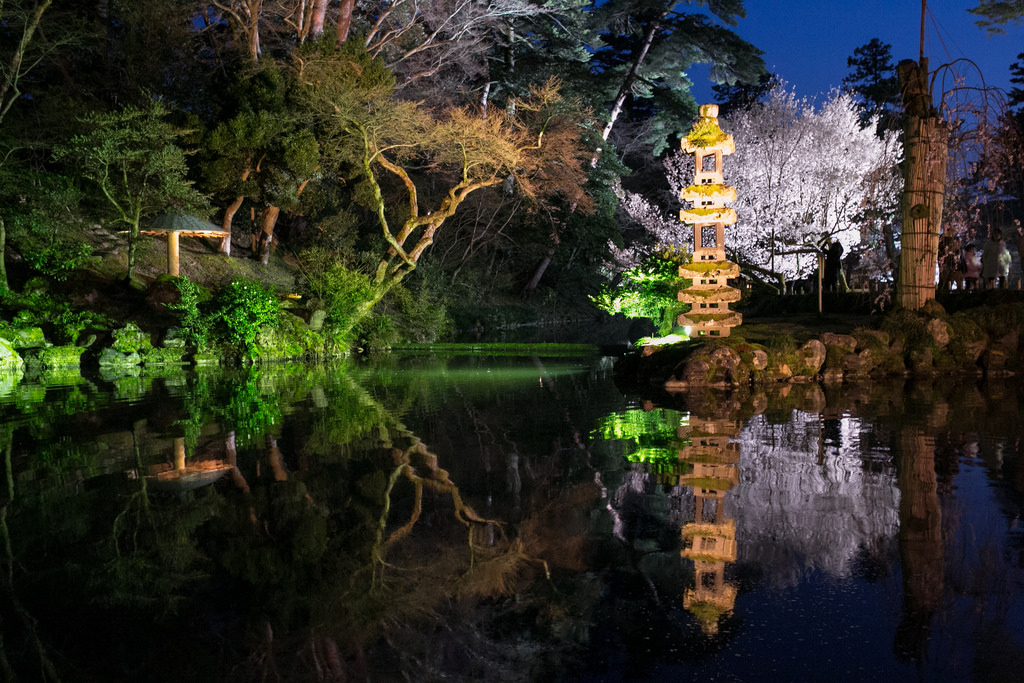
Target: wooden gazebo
(176, 225)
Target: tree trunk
(345, 19)
(3, 256)
(266, 237)
(924, 184)
(133, 245)
(634, 72)
(229, 216)
(538, 274)
(316, 25)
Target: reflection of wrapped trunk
(920, 540)
(924, 177)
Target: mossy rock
(58, 357)
(24, 337)
(113, 359)
(130, 339)
(166, 355)
(10, 361)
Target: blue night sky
(807, 42)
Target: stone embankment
(979, 342)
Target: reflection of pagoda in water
(710, 540)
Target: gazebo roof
(183, 224)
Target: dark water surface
(512, 519)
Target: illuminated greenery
(649, 290)
(195, 326)
(245, 307)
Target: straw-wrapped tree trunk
(924, 179)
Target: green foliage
(37, 306)
(196, 326)
(417, 308)
(133, 158)
(39, 224)
(242, 309)
(341, 291)
(649, 290)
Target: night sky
(807, 42)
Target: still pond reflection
(514, 519)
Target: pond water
(515, 519)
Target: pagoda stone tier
(710, 295)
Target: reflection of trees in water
(359, 532)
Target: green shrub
(649, 290)
(419, 316)
(195, 325)
(243, 308)
(338, 289)
(40, 227)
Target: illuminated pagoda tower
(710, 294)
(710, 540)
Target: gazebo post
(172, 253)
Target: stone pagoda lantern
(710, 294)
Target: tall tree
(651, 44)
(872, 80)
(387, 145)
(263, 153)
(133, 158)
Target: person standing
(972, 266)
(833, 266)
(990, 258)
(949, 256)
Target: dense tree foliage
(358, 130)
(133, 158)
(423, 145)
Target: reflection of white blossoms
(798, 510)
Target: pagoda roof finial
(706, 134)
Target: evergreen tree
(872, 81)
(650, 45)
(996, 14)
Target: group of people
(970, 268)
